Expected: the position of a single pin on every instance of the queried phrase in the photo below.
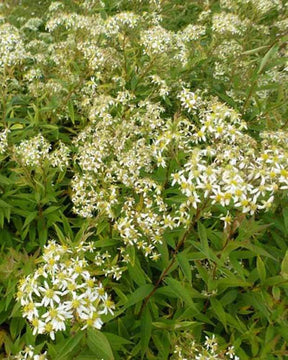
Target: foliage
(143, 179)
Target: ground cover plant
(143, 179)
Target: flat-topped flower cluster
(231, 169)
(11, 46)
(187, 349)
(61, 292)
(221, 164)
(34, 152)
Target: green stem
(174, 254)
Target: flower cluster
(189, 100)
(223, 165)
(98, 57)
(121, 23)
(192, 32)
(157, 41)
(3, 141)
(163, 88)
(263, 6)
(33, 24)
(68, 21)
(12, 50)
(29, 353)
(55, 6)
(60, 157)
(62, 292)
(229, 28)
(187, 349)
(111, 155)
(230, 169)
(227, 23)
(33, 153)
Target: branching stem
(173, 258)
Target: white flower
(108, 305)
(57, 317)
(93, 320)
(30, 310)
(189, 100)
(50, 295)
(230, 352)
(211, 343)
(77, 303)
(266, 204)
(227, 219)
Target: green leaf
(258, 250)
(233, 282)
(267, 57)
(105, 243)
(101, 227)
(139, 295)
(42, 231)
(52, 351)
(256, 300)
(99, 345)
(116, 341)
(60, 234)
(30, 218)
(16, 325)
(203, 238)
(184, 265)
(4, 204)
(219, 311)
(285, 216)
(50, 210)
(68, 346)
(284, 266)
(162, 343)
(254, 51)
(276, 293)
(274, 281)
(181, 292)
(1, 220)
(29, 337)
(71, 112)
(261, 269)
(145, 330)
(173, 324)
(5, 181)
(136, 273)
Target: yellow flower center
(49, 293)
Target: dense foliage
(143, 179)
